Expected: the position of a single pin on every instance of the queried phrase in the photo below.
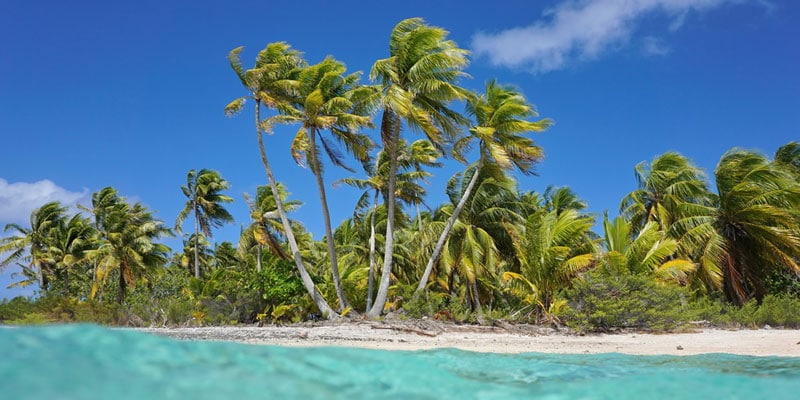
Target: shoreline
(517, 339)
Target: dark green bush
(15, 308)
(603, 302)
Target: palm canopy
(758, 220)
(204, 198)
(30, 245)
(664, 184)
(647, 252)
(501, 115)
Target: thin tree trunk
(121, 290)
(258, 257)
(447, 228)
(323, 306)
(196, 237)
(390, 132)
(476, 301)
(371, 278)
(326, 215)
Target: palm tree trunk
(371, 278)
(390, 133)
(326, 215)
(447, 228)
(323, 306)
(258, 257)
(196, 236)
(121, 289)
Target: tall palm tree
(481, 235)
(407, 188)
(328, 100)
(205, 201)
(666, 183)
(30, 245)
(788, 156)
(417, 81)
(758, 221)
(501, 121)
(129, 244)
(268, 84)
(72, 240)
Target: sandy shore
(372, 335)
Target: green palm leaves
(205, 200)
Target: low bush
(602, 302)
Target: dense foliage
(685, 248)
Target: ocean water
(90, 362)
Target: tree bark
(196, 236)
(121, 290)
(320, 301)
(258, 257)
(446, 232)
(326, 215)
(390, 131)
(371, 278)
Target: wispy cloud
(653, 46)
(18, 199)
(580, 30)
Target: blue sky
(130, 94)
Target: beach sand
(422, 335)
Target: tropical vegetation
(686, 246)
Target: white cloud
(579, 30)
(18, 199)
(653, 46)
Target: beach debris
(679, 347)
(303, 335)
(406, 329)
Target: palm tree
(481, 235)
(128, 242)
(204, 200)
(553, 249)
(407, 188)
(72, 240)
(501, 121)
(649, 251)
(417, 82)
(266, 228)
(329, 100)
(788, 156)
(268, 84)
(666, 183)
(30, 245)
(758, 221)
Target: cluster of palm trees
(491, 246)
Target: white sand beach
(510, 339)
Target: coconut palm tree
(408, 190)
(501, 122)
(666, 183)
(128, 246)
(30, 245)
(67, 251)
(758, 221)
(328, 100)
(266, 228)
(268, 84)
(417, 82)
(480, 234)
(648, 252)
(205, 201)
(552, 250)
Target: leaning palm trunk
(196, 236)
(371, 278)
(447, 228)
(390, 133)
(323, 306)
(323, 199)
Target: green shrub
(16, 308)
(34, 318)
(603, 302)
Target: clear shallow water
(89, 362)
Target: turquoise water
(89, 362)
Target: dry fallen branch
(406, 329)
